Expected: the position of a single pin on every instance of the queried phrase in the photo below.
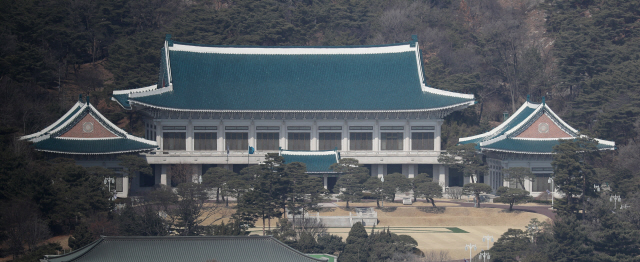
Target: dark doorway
(331, 183)
(425, 169)
(206, 167)
(368, 166)
(456, 177)
(238, 167)
(394, 169)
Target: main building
(371, 103)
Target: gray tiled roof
(174, 248)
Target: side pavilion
(526, 139)
(89, 138)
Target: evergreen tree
(357, 246)
(573, 174)
(394, 183)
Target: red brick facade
(537, 129)
(88, 121)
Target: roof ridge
(257, 46)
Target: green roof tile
(318, 163)
(86, 146)
(224, 80)
(529, 146)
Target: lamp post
(625, 206)
(615, 199)
(485, 255)
(487, 239)
(470, 247)
(533, 229)
(596, 187)
(108, 181)
(553, 190)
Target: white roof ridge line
(258, 50)
(135, 90)
(525, 121)
(499, 127)
(468, 103)
(70, 120)
(48, 128)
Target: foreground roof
(532, 129)
(174, 248)
(83, 130)
(385, 78)
(316, 161)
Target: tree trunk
(378, 202)
(218, 195)
(227, 201)
(478, 199)
(263, 232)
(347, 203)
(433, 203)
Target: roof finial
(87, 99)
(543, 100)
(168, 40)
(414, 40)
(528, 98)
(80, 98)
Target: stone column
(412, 171)
(443, 179)
(163, 174)
(380, 171)
(437, 140)
(325, 178)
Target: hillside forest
(582, 56)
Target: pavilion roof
(316, 161)
(532, 129)
(387, 78)
(83, 130)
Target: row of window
(207, 141)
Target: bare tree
(181, 174)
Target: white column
(325, 178)
(442, 177)
(125, 187)
(314, 136)
(159, 134)
(283, 135)
(345, 137)
(406, 137)
(412, 171)
(376, 137)
(405, 170)
(163, 174)
(220, 141)
(197, 173)
(252, 135)
(380, 171)
(437, 140)
(189, 143)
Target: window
(237, 141)
(205, 141)
(360, 128)
(119, 184)
(360, 141)
(391, 141)
(174, 128)
(148, 180)
(236, 128)
(268, 141)
(422, 141)
(174, 141)
(329, 141)
(392, 128)
(205, 128)
(299, 141)
(329, 128)
(541, 183)
(423, 128)
(267, 128)
(298, 128)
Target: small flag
(548, 192)
(251, 150)
(227, 150)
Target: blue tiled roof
(513, 121)
(315, 163)
(305, 82)
(173, 248)
(85, 146)
(48, 139)
(123, 100)
(502, 138)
